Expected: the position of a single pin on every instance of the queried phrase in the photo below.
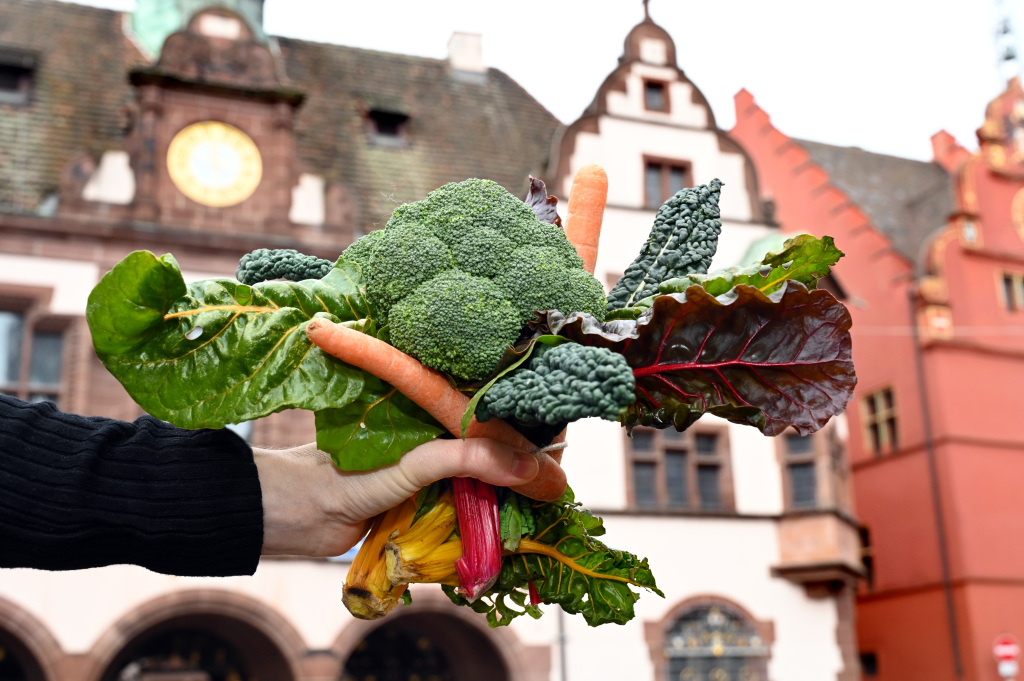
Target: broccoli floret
(361, 249)
(513, 263)
(265, 264)
(682, 241)
(559, 385)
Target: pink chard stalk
(476, 504)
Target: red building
(934, 278)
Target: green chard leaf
(770, 361)
(375, 430)
(567, 566)
(216, 351)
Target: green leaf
(770, 361)
(216, 351)
(375, 430)
(577, 572)
(522, 356)
(515, 516)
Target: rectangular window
(681, 471)
(880, 421)
(801, 471)
(663, 179)
(655, 96)
(16, 71)
(31, 355)
(1013, 292)
(388, 128)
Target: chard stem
(531, 546)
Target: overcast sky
(883, 75)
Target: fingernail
(524, 464)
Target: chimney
(465, 53)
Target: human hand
(310, 508)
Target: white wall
(70, 280)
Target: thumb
(488, 460)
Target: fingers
(487, 460)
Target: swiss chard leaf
(375, 430)
(803, 258)
(568, 567)
(216, 351)
(770, 361)
(544, 207)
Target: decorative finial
(647, 11)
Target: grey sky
(883, 75)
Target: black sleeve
(79, 492)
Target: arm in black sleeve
(79, 492)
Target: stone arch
(656, 633)
(271, 643)
(431, 609)
(30, 641)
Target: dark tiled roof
(459, 126)
(79, 89)
(906, 199)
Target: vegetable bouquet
(475, 314)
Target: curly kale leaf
(682, 241)
(265, 264)
(568, 567)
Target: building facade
(104, 119)
(935, 253)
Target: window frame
(1011, 291)
(666, 100)
(32, 304)
(882, 416)
(663, 441)
(398, 140)
(665, 165)
(789, 459)
(25, 62)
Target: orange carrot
(432, 391)
(587, 199)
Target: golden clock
(214, 164)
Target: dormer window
(16, 71)
(656, 96)
(388, 128)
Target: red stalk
(476, 504)
(534, 596)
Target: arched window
(715, 642)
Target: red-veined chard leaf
(375, 430)
(544, 207)
(770, 361)
(568, 567)
(803, 258)
(216, 351)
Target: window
(716, 642)
(880, 421)
(16, 69)
(1013, 292)
(801, 471)
(388, 128)
(679, 471)
(869, 664)
(662, 179)
(655, 96)
(31, 354)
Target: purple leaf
(770, 361)
(543, 206)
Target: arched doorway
(425, 646)
(17, 663)
(199, 647)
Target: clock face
(214, 164)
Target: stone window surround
(32, 302)
(666, 106)
(666, 164)
(655, 632)
(886, 418)
(723, 460)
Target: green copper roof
(154, 20)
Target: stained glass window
(715, 643)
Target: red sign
(1006, 648)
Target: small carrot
(587, 199)
(432, 391)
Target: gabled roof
(907, 199)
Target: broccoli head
(456, 276)
(559, 385)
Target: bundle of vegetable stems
(471, 558)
